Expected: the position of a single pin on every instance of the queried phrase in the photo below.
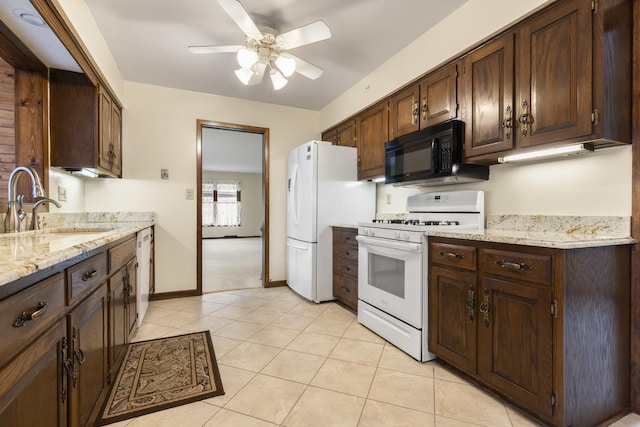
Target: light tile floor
(287, 362)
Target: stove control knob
(364, 231)
(396, 234)
(372, 232)
(406, 235)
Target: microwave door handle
(435, 156)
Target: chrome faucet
(15, 213)
(34, 213)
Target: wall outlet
(388, 199)
(189, 194)
(164, 173)
(62, 194)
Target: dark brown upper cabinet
(428, 102)
(373, 131)
(342, 134)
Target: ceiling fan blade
(215, 49)
(241, 17)
(310, 33)
(306, 69)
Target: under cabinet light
(86, 173)
(548, 153)
(378, 179)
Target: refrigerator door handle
(292, 194)
(292, 245)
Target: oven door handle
(384, 243)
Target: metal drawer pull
(484, 308)
(346, 289)
(514, 266)
(89, 275)
(451, 255)
(79, 355)
(40, 309)
(470, 302)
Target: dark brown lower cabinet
(547, 329)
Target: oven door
(390, 277)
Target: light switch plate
(62, 194)
(164, 173)
(189, 194)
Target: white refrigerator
(322, 190)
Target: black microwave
(432, 155)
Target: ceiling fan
(264, 50)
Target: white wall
(251, 205)
(160, 132)
(597, 183)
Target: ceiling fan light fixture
(247, 58)
(277, 79)
(286, 65)
(244, 75)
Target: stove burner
(430, 223)
(389, 221)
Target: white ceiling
(149, 40)
(231, 151)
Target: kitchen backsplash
(70, 220)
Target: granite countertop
(563, 232)
(63, 238)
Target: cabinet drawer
(83, 277)
(349, 252)
(344, 237)
(520, 265)
(345, 267)
(346, 290)
(119, 255)
(460, 256)
(44, 301)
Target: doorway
(232, 206)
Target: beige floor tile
(155, 313)
(175, 319)
(222, 345)
(467, 403)
(281, 305)
(518, 419)
(321, 345)
(195, 306)
(329, 326)
(225, 418)
(261, 315)
(378, 414)
(293, 321)
(356, 331)
(307, 308)
(259, 292)
(239, 330)
(367, 353)
(397, 360)
(232, 312)
(402, 389)
(267, 398)
(294, 366)
(449, 422)
(442, 372)
(345, 377)
(150, 331)
(322, 408)
(338, 312)
(192, 414)
(233, 380)
(210, 323)
(274, 336)
(221, 297)
(250, 301)
(631, 420)
(249, 356)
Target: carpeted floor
(163, 373)
(229, 264)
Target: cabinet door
(105, 159)
(116, 139)
(515, 342)
(488, 107)
(118, 332)
(331, 135)
(88, 350)
(404, 112)
(346, 134)
(439, 96)
(373, 132)
(453, 317)
(555, 101)
(131, 295)
(33, 387)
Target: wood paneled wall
(7, 125)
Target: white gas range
(392, 265)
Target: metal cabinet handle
(514, 266)
(484, 307)
(39, 310)
(346, 268)
(470, 302)
(79, 355)
(89, 275)
(346, 289)
(525, 118)
(415, 113)
(453, 255)
(424, 108)
(507, 123)
(71, 371)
